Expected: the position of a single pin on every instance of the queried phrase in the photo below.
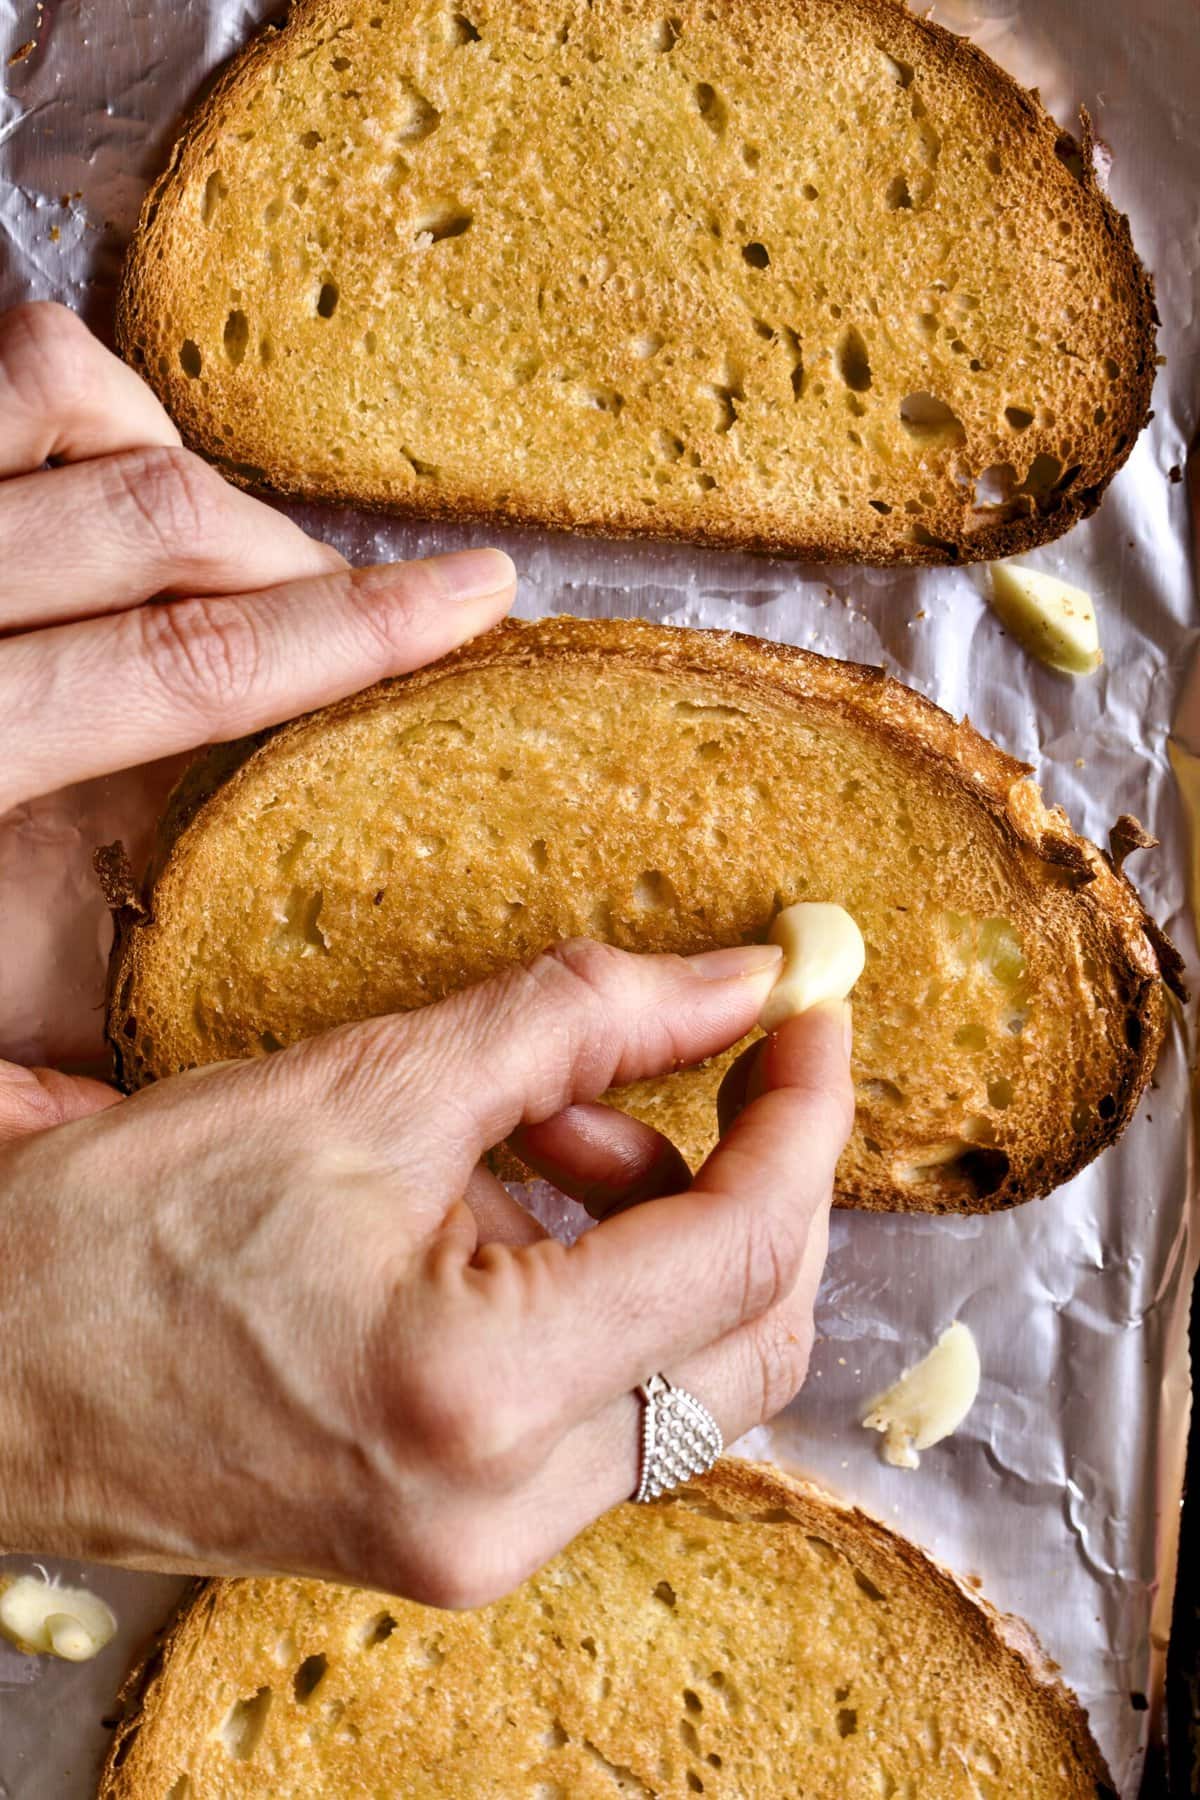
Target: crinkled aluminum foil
(1061, 1490)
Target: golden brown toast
(664, 790)
(749, 1638)
(809, 275)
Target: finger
(657, 1284)
(496, 1217)
(82, 700)
(602, 1158)
(38, 1099)
(62, 394)
(744, 1380)
(105, 535)
(519, 1048)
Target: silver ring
(680, 1438)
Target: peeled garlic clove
(823, 957)
(70, 1638)
(929, 1401)
(1051, 619)
(34, 1613)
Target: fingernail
(474, 574)
(739, 961)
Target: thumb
(38, 1099)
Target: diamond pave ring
(679, 1437)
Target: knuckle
(581, 970)
(782, 1347)
(47, 356)
(392, 603)
(171, 497)
(772, 1257)
(476, 1435)
(203, 654)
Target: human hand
(273, 1316)
(98, 673)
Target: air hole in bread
(665, 1592)
(236, 336)
(929, 420)
(853, 362)
(810, 192)
(270, 1043)
(216, 189)
(309, 1676)
(600, 399)
(244, 1725)
(377, 1630)
(897, 196)
(664, 35)
(181, 1789)
(426, 470)
(1043, 477)
(792, 340)
(647, 345)
(421, 118)
(710, 106)
(299, 929)
(995, 487)
(1069, 154)
(867, 1586)
(1111, 369)
(883, 1092)
(1081, 1117)
(695, 1785)
(1106, 1106)
(1000, 1092)
(751, 155)
(689, 1736)
(880, 506)
(460, 30)
(310, 139)
(756, 255)
(847, 1721)
(653, 890)
(918, 534)
(725, 397)
(190, 359)
(900, 72)
(436, 227)
(1019, 418)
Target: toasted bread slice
(748, 1637)
(808, 275)
(664, 790)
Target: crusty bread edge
(897, 713)
(990, 543)
(740, 1490)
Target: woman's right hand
(275, 1316)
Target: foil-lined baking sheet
(1061, 1490)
